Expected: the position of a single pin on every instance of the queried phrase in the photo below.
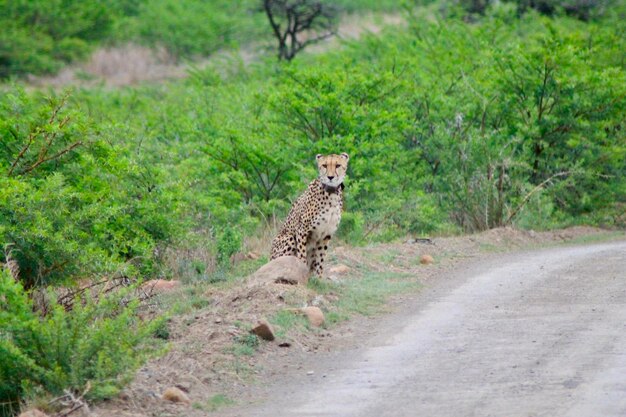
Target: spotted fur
(315, 215)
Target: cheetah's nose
(331, 178)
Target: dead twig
(55, 156)
(71, 402)
(375, 225)
(47, 139)
(10, 264)
(526, 198)
(291, 19)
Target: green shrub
(351, 227)
(448, 125)
(71, 203)
(356, 6)
(245, 345)
(39, 36)
(228, 243)
(190, 27)
(584, 10)
(98, 343)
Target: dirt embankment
(213, 360)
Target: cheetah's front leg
(300, 249)
(318, 256)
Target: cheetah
(315, 215)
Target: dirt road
(540, 333)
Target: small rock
(334, 278)
(284, 344)
(426, 259)
(310, 373)
(33, 413)
(175, 395)
(218, 320)
(339, 269)
(253, 256)
(314, 315)
(263, 330)
(410, 241)
(237, 257)
(283, 270)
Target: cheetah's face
(332, 169)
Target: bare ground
(201, 359)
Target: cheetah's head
(332, 169)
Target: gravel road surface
(538, 333)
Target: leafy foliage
(95, 347)
(580, 9)
(194, 27)
(40, 35)
(229, 243)
(71, 204)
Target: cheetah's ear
(318, 156)
(345, 155)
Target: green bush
(71, 203)
(448, 125)
(39, 36)
(351, 227)
(194, 27)
(228, 243)
(584, 10)
(98, 344)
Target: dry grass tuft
(117, 66)
(131, 64)
(261, 242)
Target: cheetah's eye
(338, 166)
(324, 166)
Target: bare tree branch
(31, 138)
(292, 20)
(43, 137)
(55, 156)
(530, 194)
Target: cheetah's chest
(327, 219)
